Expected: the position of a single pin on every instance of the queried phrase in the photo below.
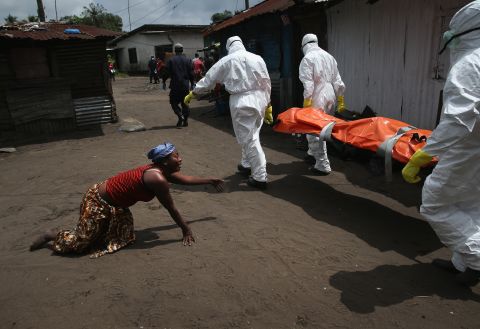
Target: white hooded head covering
(309, 41)
(233, 44)
(465, 19)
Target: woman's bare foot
(40, 241)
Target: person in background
(195, 57)
(181, 79)
(246, 78)
(323, 88)
(451, 193)
(208, 62)
(198, 69)
(152, 69)
(106, 223)
(161, 74)
(111, 71)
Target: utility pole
(247, 4)
(56, 13)
(40, 11)
(129, 22)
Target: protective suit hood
(465, 19)
(234, 44)
(461, 97)
(309, 41)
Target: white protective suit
(322, 83)
(450, 198)
(246, 79)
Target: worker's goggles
(456, 36)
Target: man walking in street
(181, 79)
(152, 69)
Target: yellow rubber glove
(268, 115)
(412, 168)
(307, 102)
(189, 98)
(340, 104)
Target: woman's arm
(182, 179)
(160, 186)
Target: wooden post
(40, 10)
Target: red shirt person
(106, 224)
(198, 69)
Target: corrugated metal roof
(268, 6)
(54, 31)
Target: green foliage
(74, 19)
(110, 59)
(218, 17)
(11, 19)
(96, 15)
(32, 18)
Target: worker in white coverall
(246, 79)
(450, 197)
(323, 88)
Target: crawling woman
(106, 224)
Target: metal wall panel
(40, 99)
(84, 63)
(48, 127)
(6, 75)
(93, 110)
(386, 54)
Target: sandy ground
(343, 251)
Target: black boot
(185, 121)
(468, 278)
(179, 122)
(244, 170)
(255, 183)
(318, 172)
(309, 159)
(445, 265)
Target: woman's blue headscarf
(161, 151)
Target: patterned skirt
(101, 229)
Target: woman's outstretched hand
(188, 237)
(217, 183)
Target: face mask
(451, 40)
(450, 35)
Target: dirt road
(342, 251)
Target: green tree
(96, 15)
(218, 17)
(11, 19)
(93, 13)
(74, 19)
(32, 18)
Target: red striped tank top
(127, 188)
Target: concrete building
(132, 50)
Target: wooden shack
(53, 78)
